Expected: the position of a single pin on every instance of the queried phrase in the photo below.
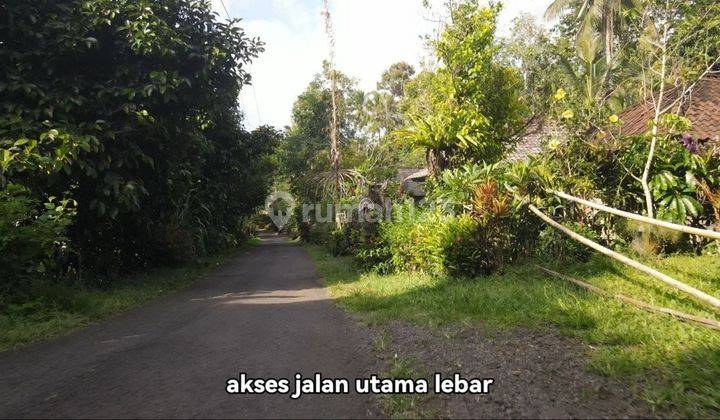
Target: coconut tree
(601, 14)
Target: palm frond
(589, 45)
(557, 7)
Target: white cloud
(282, 71)
(370, 35)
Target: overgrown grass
(675, 365)
(60, 309)
(407, 406)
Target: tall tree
(395, 78)
(121, 106)
(673, 58)
(305, 153)
(473, 111)
(592, 14)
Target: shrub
(174, 245)
(375, 257)
(559, 247)
(430, 241)
(32, 239)
(316, 233)
(140, 127)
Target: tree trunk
(437, 161)
(334, 147)
(609, 25)
(656, 121)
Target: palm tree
(592, 14)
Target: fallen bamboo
(644, 219)
(699, 295)
(705, 322)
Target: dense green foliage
(469, 110)
(465, 252)
(472, 109)
(122, 148)
(122, 117)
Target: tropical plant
(456, 187)
(471, 110)
(32, 241)
(129, 108)
(605, 14)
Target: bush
(174, 245)
(32, 241)
(140, 127)
(462, 246)
(375, 257)
(316, 233)
(559, 247)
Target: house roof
(411, 180)
(701, 106)
(531, 143)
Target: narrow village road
(264, 313)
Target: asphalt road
(264, 314)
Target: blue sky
(370, 36)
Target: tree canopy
(129, 109)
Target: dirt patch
(537, 374)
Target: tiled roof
(530, 144)
(701, 107)
(411, 181)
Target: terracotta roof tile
(532, 142)
(701, 107)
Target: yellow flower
(560, 94)
(613, 118)
(553, 144)
(567, 114)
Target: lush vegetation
(121, 143)
(465, 251)
(122, 149)
(462, 116)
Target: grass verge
(675, 366)
(61, 309)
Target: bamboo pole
(673, 226)
(699, 295)
(705, 322)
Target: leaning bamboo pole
(705, 322)
(699, 295)
(649, 220)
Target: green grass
(61, 309)
(674, 365)
(407, 406)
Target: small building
(411, 180)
